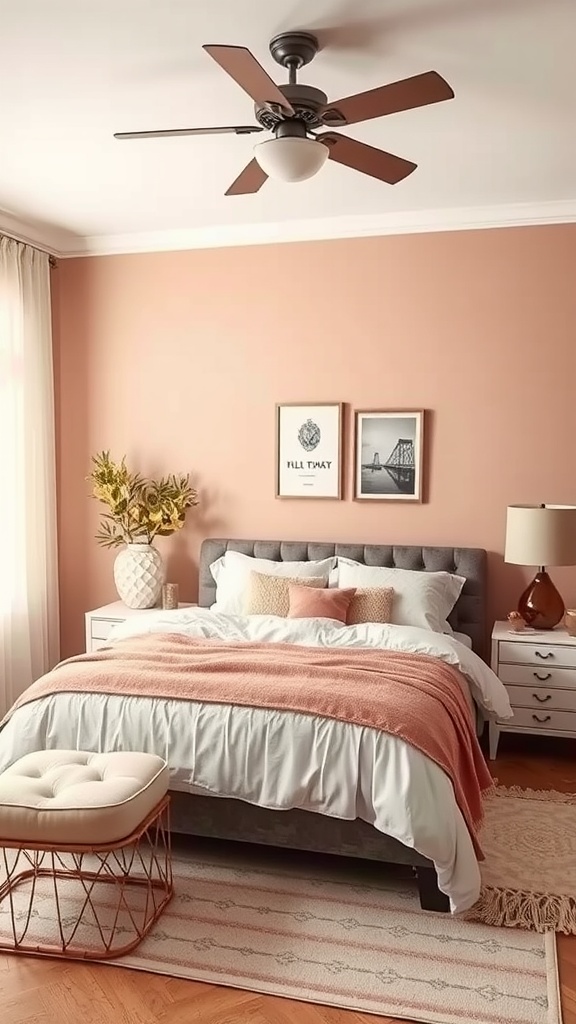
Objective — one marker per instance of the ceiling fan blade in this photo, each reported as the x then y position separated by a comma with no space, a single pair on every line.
249,180
243,129
243,67
367,159
418,91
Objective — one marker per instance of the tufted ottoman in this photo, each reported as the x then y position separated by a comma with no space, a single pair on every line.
85,867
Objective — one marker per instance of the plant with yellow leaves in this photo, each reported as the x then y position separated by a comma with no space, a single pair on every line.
139,508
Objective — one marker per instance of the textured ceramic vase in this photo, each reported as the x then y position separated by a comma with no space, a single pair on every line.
139,574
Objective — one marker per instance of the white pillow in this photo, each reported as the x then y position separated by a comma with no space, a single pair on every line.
463,638
422,599
232,571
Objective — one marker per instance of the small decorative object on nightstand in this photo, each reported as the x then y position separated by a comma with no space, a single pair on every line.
516,622
100,621
538,670
570,621
169,595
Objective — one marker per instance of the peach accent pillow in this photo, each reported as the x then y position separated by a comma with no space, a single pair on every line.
269,595
332,603
371,604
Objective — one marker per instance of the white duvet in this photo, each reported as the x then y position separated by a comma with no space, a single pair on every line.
344,771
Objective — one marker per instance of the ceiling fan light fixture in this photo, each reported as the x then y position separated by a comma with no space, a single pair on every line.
291,159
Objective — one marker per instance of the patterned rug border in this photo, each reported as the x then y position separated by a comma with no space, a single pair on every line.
553,979
554,1013
517,908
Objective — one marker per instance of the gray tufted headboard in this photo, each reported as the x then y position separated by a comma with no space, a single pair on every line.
468,616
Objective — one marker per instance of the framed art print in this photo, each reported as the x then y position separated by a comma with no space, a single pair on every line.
388,455
309,450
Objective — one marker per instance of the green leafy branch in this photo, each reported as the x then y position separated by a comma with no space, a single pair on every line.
139,508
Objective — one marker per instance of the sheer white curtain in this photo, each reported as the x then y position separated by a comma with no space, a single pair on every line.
29,622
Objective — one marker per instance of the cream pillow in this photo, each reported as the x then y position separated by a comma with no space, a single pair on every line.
270,595
423,599
231,573
371,604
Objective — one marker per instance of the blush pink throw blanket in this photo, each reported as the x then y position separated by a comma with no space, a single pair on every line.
412,696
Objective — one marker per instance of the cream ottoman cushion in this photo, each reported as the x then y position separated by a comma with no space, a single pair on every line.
74,797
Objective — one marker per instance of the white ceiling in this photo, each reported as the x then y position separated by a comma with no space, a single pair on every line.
72,72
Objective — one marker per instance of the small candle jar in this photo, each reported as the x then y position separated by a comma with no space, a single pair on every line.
570,621
516,622
170,596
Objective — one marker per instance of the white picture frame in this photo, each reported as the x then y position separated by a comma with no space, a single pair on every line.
309,450
388,457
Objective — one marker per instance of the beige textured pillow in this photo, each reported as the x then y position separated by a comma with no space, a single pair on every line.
270,595
370,604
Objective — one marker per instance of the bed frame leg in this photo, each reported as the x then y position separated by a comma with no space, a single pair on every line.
430,896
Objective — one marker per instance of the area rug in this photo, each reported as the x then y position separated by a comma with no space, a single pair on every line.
336,933
529,875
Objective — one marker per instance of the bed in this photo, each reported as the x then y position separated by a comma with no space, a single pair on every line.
215,814
304,830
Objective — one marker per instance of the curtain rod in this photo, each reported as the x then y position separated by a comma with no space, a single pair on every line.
52,261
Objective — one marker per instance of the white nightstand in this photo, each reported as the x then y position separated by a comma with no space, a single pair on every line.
539,671
99,621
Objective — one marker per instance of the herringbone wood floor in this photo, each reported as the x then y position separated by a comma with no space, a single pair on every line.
34,991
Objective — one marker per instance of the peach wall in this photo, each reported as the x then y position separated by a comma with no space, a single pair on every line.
177,360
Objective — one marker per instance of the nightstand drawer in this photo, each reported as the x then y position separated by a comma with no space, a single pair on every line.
537,675
101,628
537,654
96,644
542,699
547,721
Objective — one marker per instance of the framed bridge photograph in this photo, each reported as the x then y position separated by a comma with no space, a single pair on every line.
388,455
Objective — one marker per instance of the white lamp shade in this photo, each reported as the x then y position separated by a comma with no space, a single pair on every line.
291,159
541,535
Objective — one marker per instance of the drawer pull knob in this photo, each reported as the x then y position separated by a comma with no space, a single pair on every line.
542,678
549,654
542,700
541,720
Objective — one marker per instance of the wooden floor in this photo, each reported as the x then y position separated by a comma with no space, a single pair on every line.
34,991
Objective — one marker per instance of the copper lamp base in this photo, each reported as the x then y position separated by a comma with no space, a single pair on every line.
541,606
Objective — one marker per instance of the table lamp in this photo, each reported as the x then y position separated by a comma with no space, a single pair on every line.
541,535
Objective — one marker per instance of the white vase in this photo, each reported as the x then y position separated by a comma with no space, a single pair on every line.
139,574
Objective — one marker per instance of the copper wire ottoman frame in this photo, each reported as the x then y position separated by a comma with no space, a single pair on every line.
147,849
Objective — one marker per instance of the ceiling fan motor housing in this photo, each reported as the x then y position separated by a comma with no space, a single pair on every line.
306,101
292,50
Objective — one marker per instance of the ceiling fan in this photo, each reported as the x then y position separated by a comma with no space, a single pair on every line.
294,112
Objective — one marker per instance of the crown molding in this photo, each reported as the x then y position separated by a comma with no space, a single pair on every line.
48,237
65,245
316,229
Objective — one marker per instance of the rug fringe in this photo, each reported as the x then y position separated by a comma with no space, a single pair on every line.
551,796
514,908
